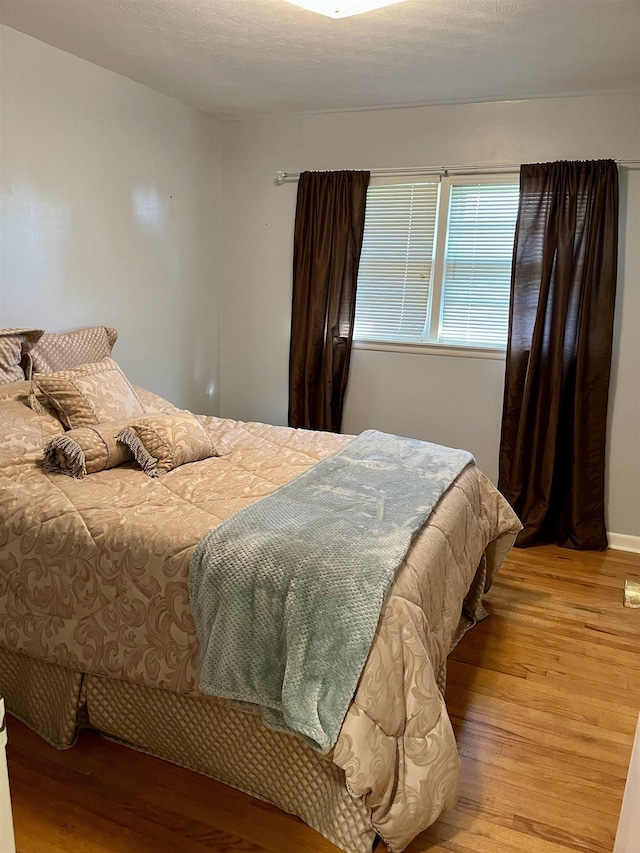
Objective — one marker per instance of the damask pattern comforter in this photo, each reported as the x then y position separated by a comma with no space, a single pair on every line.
94,577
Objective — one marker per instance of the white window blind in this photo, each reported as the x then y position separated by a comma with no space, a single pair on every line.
436,261
395,271
477,264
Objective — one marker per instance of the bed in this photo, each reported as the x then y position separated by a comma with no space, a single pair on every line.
96,628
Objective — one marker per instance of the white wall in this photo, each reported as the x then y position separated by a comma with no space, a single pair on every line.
450,400
110,215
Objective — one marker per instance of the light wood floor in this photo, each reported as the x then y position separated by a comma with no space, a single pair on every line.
544,696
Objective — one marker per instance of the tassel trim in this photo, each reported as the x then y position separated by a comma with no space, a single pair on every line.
144,459
63,455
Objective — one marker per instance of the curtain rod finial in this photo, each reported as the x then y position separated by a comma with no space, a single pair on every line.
280,177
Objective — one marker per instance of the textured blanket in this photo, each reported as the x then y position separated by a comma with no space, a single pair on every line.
286,594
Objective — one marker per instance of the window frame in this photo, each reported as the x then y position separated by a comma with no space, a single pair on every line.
428,344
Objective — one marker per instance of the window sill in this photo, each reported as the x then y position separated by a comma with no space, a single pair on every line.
432,349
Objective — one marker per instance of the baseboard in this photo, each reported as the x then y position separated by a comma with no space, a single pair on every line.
624,542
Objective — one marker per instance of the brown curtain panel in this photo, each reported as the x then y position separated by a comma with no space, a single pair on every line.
327,245
552,450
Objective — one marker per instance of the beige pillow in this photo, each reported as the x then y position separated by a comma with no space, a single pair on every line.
86,450
13,343
90,394
22,431
66,350
163,442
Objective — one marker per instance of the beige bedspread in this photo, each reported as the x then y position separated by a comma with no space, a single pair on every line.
93,576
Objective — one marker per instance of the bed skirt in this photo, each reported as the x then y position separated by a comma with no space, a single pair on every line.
202,734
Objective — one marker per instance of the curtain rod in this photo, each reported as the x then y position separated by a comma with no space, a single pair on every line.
486,168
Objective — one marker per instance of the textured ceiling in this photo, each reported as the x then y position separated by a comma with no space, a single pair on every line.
236,58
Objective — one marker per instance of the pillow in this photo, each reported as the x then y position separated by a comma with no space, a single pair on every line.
163,442
90,394
86,451
22,431
13,343
67,350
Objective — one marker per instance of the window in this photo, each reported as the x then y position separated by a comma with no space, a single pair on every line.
436,261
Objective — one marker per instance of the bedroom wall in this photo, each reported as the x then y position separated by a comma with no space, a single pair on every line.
110,215
441,398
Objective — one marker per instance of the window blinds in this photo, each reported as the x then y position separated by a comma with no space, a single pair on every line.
477,264
436,262
395,272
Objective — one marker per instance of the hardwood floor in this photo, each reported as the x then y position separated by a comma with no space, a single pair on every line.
544,696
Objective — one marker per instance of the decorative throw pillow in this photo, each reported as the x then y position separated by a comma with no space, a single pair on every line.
86,450
66,350
13,343
22,431
163,442
90,394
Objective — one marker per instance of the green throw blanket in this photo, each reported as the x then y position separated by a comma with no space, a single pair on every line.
286,594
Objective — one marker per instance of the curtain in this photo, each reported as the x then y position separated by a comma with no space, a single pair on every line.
552,449
327,244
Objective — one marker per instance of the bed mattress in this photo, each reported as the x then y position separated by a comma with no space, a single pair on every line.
94,580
